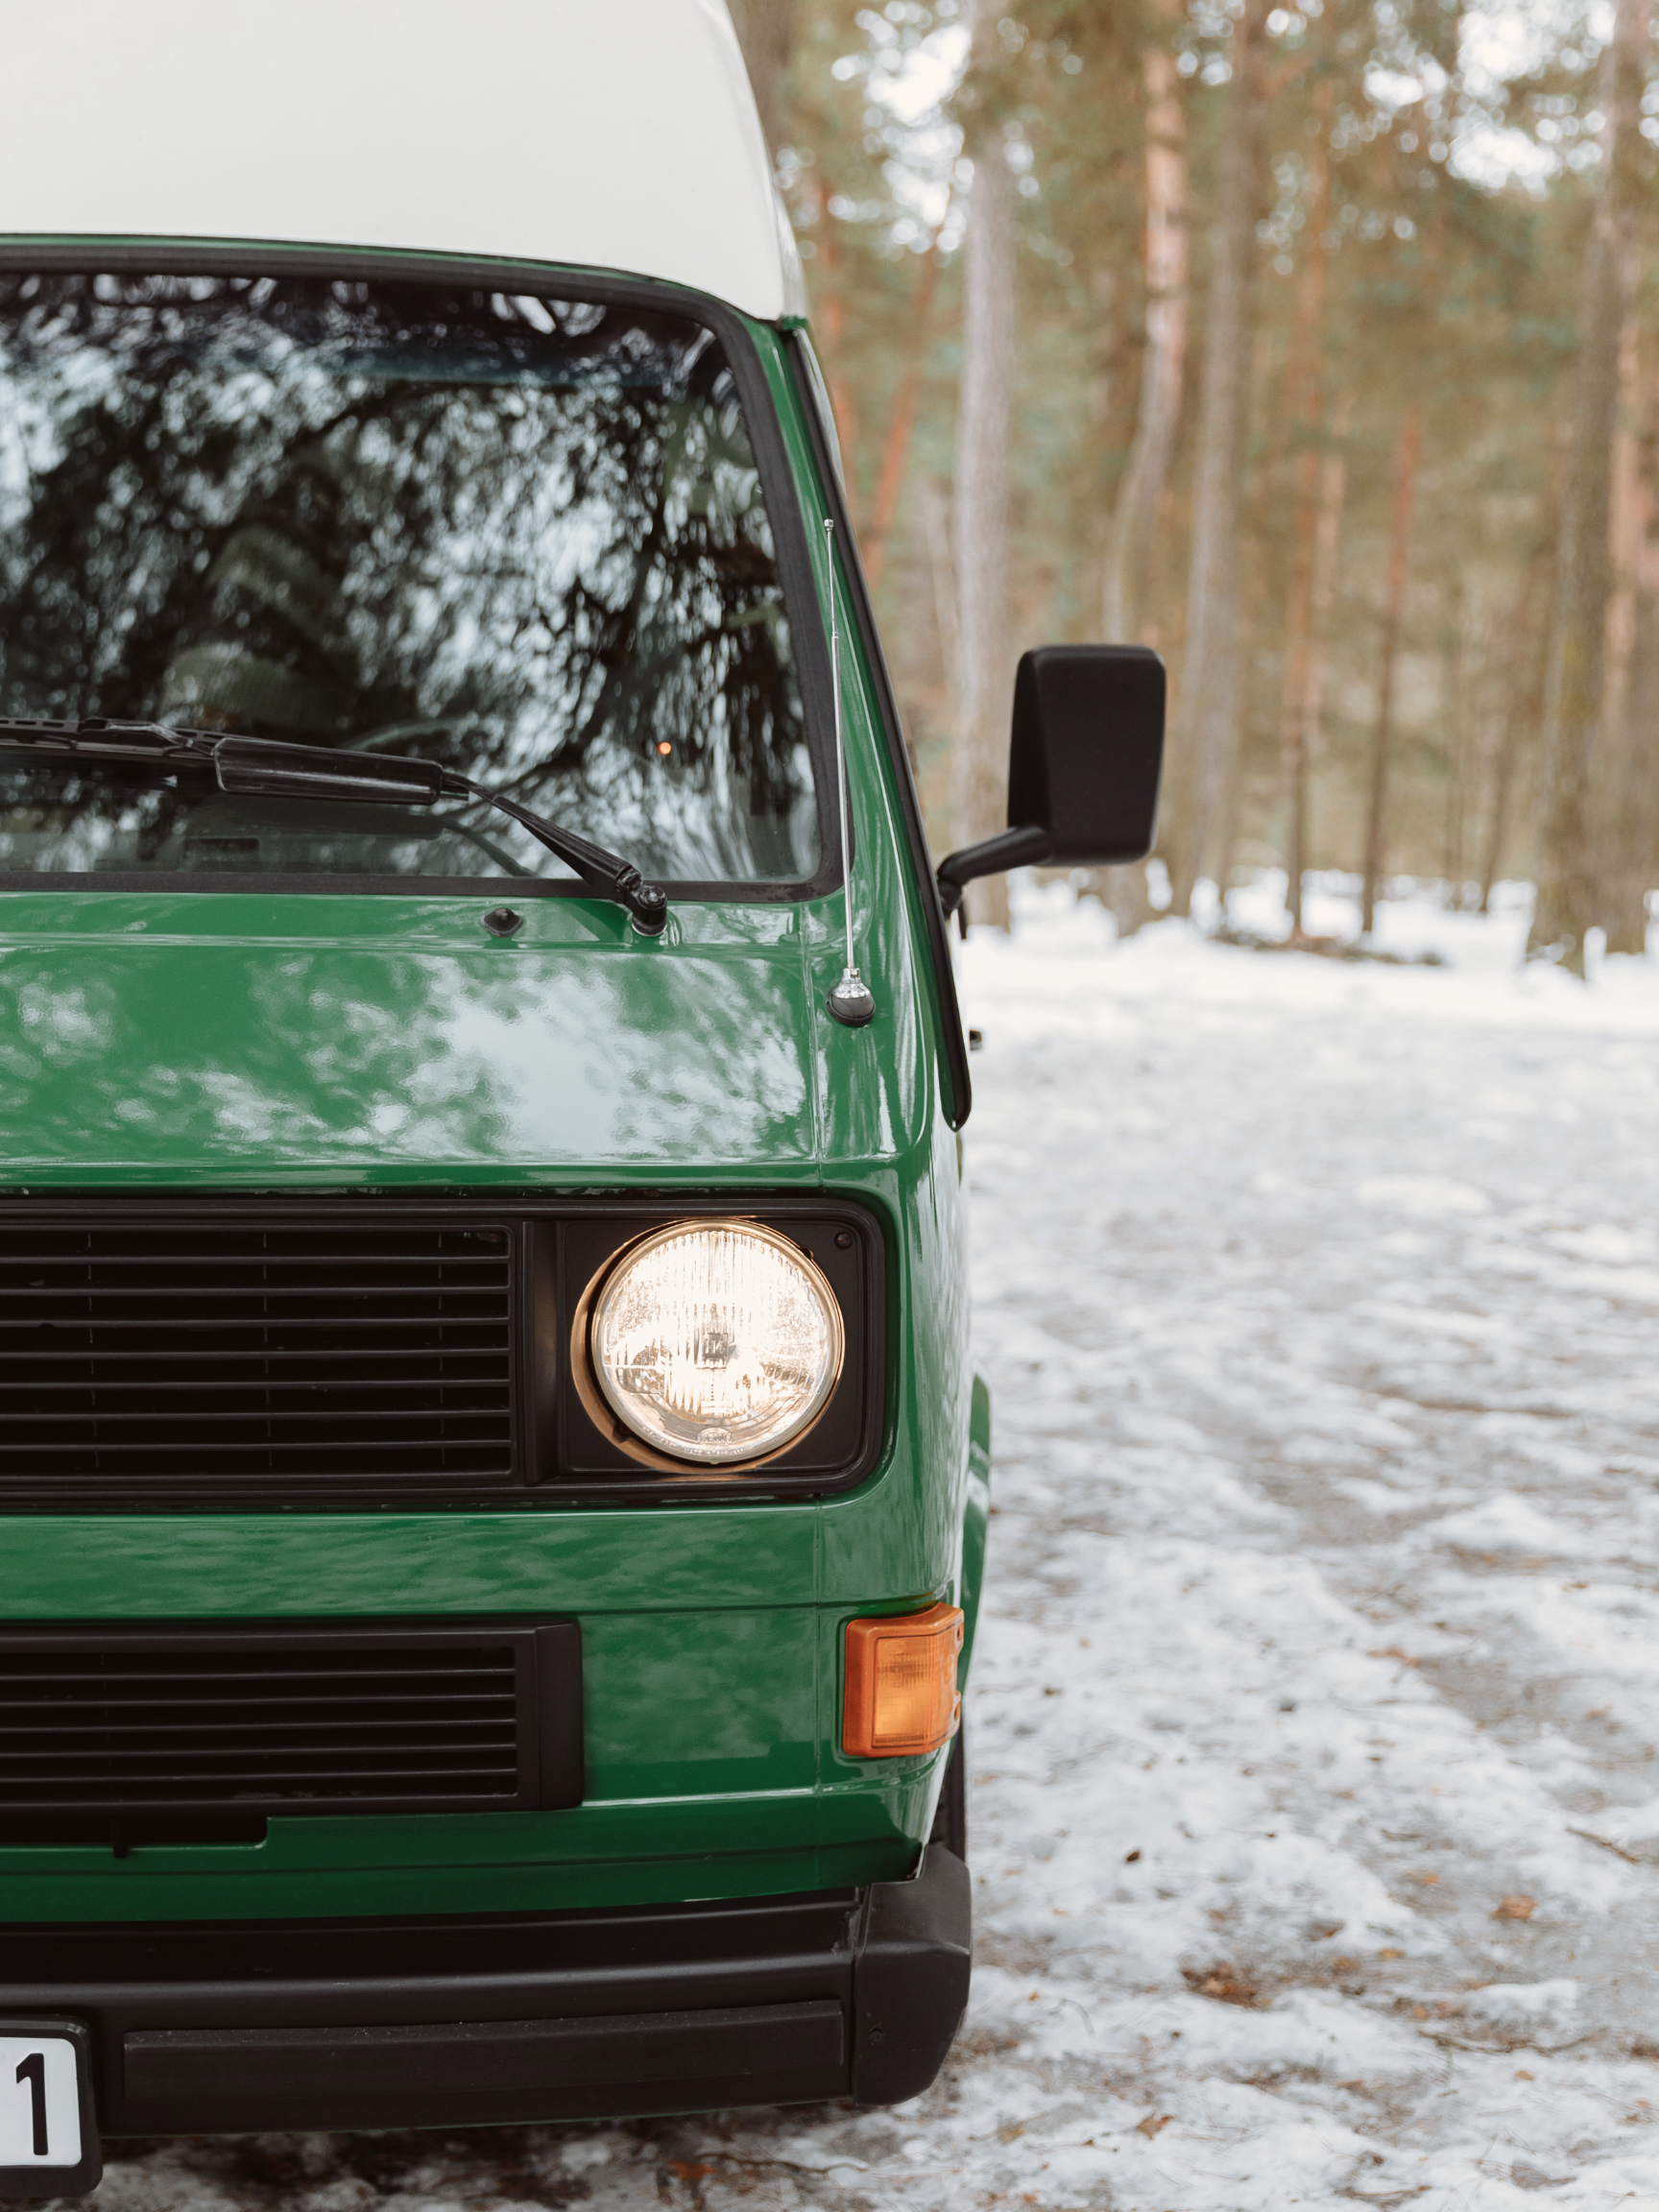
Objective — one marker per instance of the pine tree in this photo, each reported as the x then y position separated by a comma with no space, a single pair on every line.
984,434
1419,285
1570,888
1209,719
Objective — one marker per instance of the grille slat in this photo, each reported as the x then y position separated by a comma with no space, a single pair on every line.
51,1710
150,1719
204,1321
111,1421
234,1681
166,1383
288,1355
205,1357
214,1458
246,1724
267,1283
364,1256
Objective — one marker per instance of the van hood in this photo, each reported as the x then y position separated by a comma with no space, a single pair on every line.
258,1038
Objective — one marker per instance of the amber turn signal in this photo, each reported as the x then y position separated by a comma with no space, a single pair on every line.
901,1683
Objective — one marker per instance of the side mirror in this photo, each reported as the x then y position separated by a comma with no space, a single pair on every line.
1088,747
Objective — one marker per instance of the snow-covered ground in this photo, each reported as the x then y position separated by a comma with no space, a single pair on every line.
1315,1807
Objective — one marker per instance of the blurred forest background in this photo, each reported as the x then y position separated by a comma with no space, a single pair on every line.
1317,348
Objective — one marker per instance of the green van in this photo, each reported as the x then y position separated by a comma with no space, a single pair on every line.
495,1493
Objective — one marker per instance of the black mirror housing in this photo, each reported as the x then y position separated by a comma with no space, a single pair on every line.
1088,751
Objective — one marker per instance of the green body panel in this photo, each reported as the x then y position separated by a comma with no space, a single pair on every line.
977,1522
314,1043
264,1038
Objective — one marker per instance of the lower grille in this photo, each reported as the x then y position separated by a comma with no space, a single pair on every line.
276,1719
287,1357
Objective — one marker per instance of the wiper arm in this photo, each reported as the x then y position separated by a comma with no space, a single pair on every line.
600,869
267,768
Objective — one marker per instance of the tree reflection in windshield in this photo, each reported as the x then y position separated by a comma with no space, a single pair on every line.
525,537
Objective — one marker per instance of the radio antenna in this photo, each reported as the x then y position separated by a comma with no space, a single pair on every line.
850,1001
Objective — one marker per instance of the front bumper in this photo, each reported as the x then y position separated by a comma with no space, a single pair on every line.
216,2028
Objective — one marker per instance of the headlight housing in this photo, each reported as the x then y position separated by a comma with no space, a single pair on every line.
716,1342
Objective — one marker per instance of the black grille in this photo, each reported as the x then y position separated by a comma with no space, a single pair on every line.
282,1355
273,1720
216,1352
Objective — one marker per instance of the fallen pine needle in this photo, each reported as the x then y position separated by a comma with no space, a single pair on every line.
1608,1844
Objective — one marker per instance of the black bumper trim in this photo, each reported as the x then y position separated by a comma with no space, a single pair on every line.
910,1979
204,2029
367,2076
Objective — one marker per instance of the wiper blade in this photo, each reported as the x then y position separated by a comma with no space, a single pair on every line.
98,733
262,765
268,768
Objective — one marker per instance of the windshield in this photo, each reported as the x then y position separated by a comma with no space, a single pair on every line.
524,536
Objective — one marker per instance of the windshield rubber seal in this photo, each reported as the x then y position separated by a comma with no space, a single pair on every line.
802,363
173,257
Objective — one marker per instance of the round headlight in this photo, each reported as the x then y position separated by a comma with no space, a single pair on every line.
716,1341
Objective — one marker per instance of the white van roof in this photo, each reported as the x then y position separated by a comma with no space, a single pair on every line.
614,134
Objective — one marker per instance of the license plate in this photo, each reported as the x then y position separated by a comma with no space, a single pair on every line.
48,2128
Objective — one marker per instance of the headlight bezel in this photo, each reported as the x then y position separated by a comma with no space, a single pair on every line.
588,1363
588,1453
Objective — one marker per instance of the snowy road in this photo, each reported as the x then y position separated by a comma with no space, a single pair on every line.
1315,1812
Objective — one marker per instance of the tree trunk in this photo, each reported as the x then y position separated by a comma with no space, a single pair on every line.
1521,707
767,33
1134,522
1455,734
1502,790
1209,680
1623,529
1305,688
984,432
1407,455
1295,735
1486,723
1638,872
1124,894
902,422
942,575
1632,830
1299,392
1569,888
831,321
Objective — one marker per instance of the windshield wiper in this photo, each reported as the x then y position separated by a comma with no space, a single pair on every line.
266,767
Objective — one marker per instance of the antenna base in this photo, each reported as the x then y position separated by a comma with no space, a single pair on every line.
850,1001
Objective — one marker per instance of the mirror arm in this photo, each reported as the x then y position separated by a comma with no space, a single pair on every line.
1024,847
